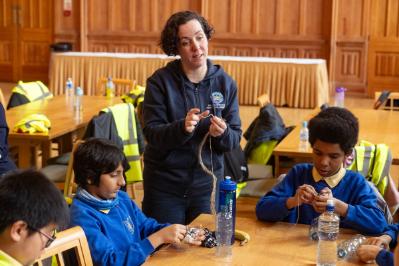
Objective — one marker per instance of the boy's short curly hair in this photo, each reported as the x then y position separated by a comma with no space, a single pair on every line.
169,36
335,125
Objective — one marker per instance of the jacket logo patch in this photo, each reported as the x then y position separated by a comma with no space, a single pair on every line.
217,100
129,225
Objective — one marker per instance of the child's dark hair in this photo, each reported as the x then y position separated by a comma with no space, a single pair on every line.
169,36
93,158
30,197
335,125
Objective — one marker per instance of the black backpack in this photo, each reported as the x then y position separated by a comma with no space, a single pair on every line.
235,165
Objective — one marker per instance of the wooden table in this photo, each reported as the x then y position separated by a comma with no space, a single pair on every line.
271,244
299,83
376,126
63,123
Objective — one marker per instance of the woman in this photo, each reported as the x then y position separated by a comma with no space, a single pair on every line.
184,101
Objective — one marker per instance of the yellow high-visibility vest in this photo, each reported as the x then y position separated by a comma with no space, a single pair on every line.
124,118
34,91
373,161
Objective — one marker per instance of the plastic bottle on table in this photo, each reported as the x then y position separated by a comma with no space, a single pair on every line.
328,230
110,88
304,136
348,247
340,97
69,90
78,103
225,219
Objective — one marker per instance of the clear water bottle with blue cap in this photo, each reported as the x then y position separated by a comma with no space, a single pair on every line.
225,218
328,229
69,90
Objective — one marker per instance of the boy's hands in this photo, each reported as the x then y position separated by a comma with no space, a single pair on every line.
175,234
368,253
372,246
171,234
320,200
303,194
381,241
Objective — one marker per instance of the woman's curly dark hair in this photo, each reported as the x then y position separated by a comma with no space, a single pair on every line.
169,36
335,125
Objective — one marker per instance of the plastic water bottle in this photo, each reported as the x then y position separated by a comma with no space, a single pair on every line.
69,90
340,97
328,230
225,218
78,101
110,88
304,136
348,247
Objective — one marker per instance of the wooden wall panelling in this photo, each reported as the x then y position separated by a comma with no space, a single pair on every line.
350,44
67,27
129,25
383,56
35,36
8,40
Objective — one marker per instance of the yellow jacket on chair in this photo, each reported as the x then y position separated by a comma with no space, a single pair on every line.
124,118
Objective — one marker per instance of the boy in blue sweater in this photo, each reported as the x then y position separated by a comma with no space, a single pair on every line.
303,193
117,231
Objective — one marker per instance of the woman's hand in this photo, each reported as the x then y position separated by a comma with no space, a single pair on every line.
218,126
192,119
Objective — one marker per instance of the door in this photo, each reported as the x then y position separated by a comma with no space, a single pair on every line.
26,32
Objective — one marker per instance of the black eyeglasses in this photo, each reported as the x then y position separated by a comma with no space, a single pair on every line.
50,239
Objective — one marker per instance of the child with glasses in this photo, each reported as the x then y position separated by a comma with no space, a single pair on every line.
31,208
117,231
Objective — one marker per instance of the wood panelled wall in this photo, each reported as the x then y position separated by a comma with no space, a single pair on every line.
358,38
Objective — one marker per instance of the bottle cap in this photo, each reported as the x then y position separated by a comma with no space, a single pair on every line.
340,89
228,184
304,123
330,202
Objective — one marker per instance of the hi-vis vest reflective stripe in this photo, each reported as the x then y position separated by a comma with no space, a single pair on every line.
374,163
127,132
34,91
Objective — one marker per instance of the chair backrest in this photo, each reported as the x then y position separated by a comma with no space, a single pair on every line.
122,86
73,238
69,184
26,92
263,100
2,101
389,102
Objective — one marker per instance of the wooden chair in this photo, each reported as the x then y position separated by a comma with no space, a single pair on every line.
263,100
70,239
2,101
122,86
388,103
70,186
